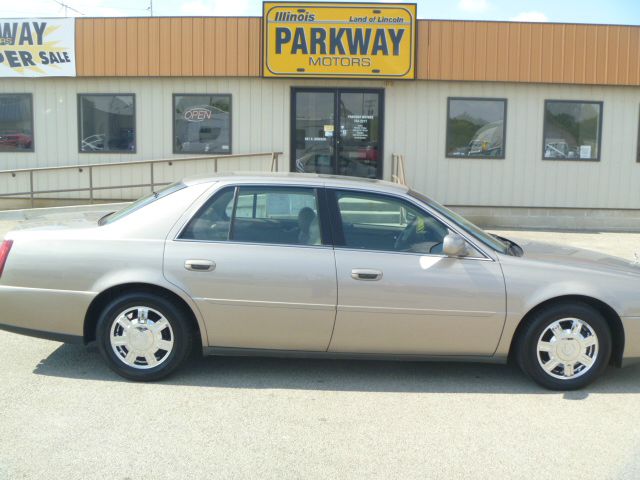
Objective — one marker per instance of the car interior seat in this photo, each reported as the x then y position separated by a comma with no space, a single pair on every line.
309,227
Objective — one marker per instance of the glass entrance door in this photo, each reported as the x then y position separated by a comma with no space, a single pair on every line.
313,132
337,131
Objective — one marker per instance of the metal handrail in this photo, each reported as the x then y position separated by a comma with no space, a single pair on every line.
90,167
397,169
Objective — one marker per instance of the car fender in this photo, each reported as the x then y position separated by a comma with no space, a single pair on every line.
523,295
153,278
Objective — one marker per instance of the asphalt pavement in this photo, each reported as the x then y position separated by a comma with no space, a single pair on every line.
65,415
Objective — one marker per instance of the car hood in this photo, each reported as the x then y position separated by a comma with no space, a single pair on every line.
559,255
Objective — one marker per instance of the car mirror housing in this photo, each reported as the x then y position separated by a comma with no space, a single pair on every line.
454,245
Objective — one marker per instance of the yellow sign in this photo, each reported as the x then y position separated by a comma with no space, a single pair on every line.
353,40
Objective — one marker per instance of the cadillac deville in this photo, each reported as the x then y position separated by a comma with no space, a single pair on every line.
313,265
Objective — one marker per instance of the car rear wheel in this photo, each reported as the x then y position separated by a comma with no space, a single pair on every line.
144,337
565,347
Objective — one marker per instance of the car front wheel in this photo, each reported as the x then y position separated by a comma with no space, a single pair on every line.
565,347
143,336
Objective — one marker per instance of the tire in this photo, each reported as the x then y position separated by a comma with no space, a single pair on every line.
559,353
143,336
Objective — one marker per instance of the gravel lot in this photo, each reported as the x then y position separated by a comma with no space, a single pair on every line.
63,414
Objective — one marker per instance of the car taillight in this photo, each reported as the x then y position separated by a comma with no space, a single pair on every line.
5,248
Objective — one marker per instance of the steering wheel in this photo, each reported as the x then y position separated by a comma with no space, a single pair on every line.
403,241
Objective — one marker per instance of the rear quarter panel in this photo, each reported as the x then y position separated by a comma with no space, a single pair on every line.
51,276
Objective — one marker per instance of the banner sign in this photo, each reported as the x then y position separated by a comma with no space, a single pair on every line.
37,47
353,40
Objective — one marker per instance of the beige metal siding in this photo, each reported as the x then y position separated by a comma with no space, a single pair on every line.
259,122
415,125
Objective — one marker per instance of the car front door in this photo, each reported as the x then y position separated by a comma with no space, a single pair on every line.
397,292
254,260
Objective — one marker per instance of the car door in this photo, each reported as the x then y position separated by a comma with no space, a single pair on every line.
397,292
255,261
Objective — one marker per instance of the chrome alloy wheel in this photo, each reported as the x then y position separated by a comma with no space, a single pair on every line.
567,348
141,337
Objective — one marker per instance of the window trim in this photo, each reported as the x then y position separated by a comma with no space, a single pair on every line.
135,124
544,130
33,121
232,218
504,128
173,121
325,228
638,140
338,234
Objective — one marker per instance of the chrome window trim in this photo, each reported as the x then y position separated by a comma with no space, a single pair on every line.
415,254
232,242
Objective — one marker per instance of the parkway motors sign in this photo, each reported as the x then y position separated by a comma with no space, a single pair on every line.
37,47
353,40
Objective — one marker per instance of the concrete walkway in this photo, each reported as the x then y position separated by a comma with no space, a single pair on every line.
623,245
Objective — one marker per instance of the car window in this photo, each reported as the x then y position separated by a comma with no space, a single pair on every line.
277,215
378,222
141,202
270,215
486,238
213,221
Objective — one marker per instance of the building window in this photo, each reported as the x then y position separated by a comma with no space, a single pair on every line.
476,127
16,123
572,130
202,123
107,123
638,145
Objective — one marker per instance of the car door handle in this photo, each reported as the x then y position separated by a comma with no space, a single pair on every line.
366,274
200,265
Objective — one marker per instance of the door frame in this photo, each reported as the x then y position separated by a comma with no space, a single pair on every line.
336,115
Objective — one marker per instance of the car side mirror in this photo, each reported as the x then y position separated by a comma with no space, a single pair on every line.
454,245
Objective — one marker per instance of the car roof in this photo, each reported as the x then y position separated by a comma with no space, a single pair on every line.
291,178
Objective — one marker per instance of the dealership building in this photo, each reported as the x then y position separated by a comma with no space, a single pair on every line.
513,124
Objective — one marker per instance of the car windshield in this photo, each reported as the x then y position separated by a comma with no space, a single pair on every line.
465,224
141,202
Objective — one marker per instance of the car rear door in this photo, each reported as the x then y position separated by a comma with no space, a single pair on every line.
397,293
257,263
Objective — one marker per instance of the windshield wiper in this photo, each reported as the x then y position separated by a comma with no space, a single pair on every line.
514,249
104,218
